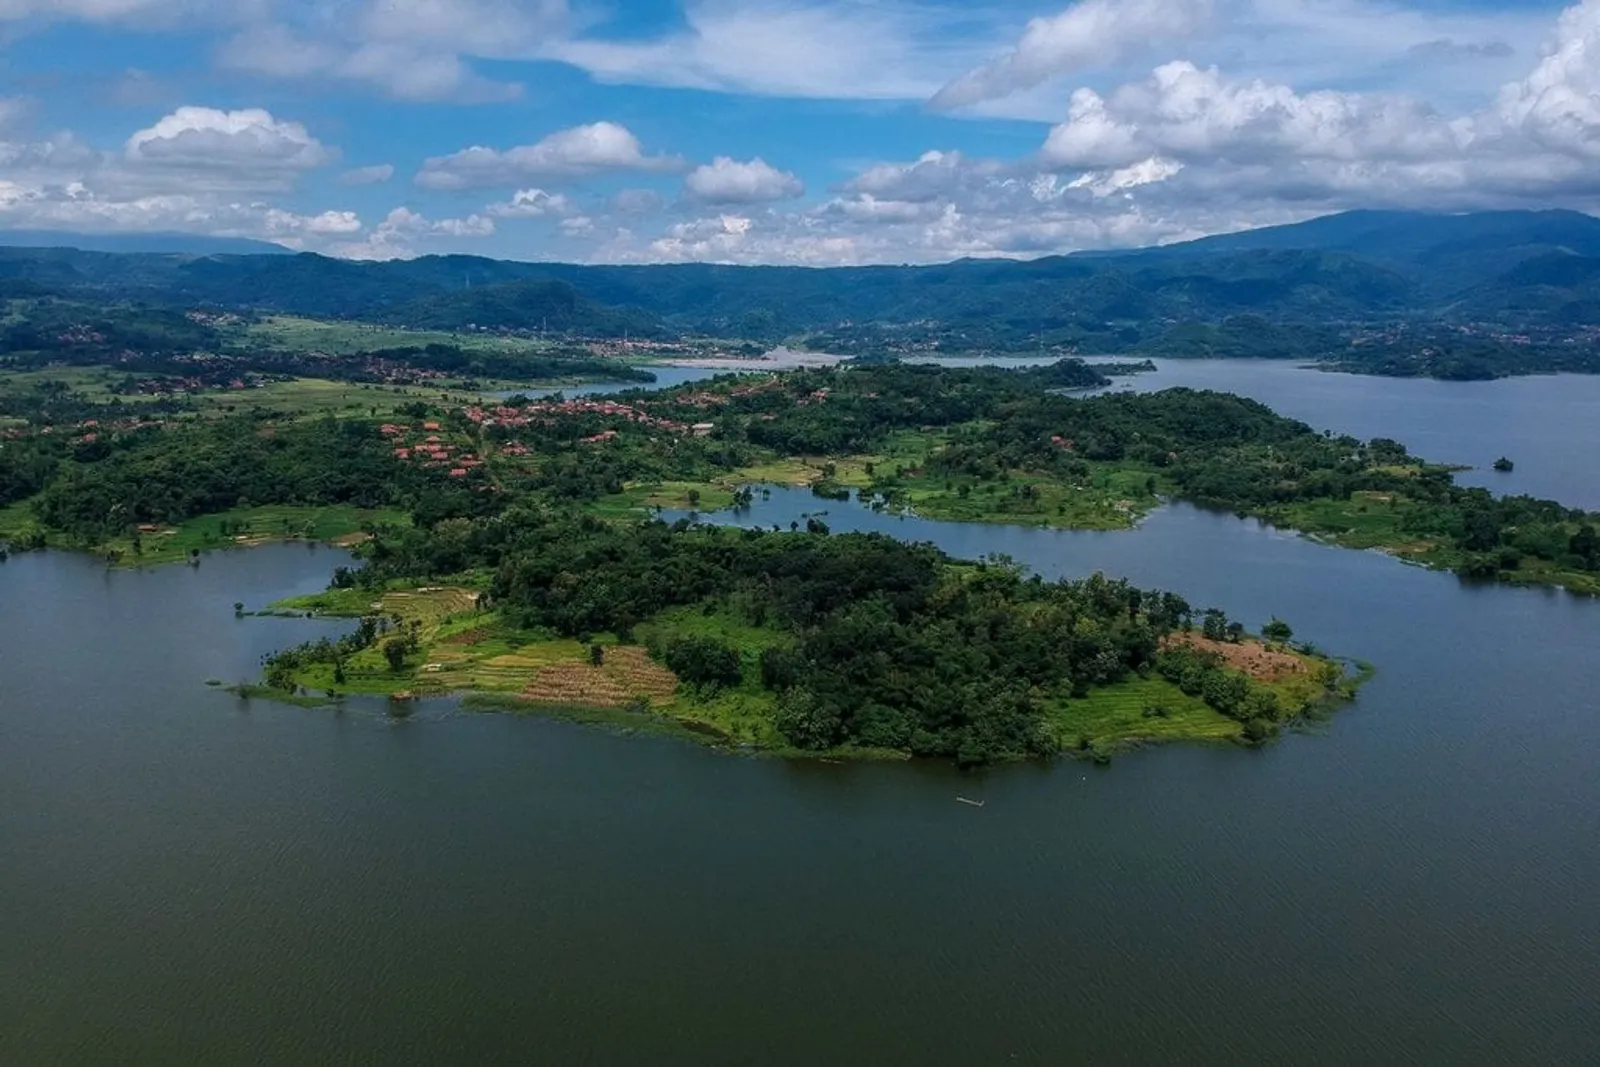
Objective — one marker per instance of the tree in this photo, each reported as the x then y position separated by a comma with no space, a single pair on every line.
1585,544
1214,625
597,655
704,661
394,650
1278,631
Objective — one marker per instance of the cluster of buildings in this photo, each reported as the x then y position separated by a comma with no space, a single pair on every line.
548,412
430,451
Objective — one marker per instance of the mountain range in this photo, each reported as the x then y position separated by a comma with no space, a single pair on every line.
1514,268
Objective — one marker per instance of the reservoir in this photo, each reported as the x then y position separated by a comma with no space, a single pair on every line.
189,878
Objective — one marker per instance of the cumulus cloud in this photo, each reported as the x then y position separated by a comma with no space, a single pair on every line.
1239,138
1185,112
531,204
76,207
1557,106
1145,172
248,147
397,236
374,175
728,181
566,154
931,175
195,170
1089,34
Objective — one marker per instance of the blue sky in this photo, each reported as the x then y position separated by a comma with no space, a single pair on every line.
784,131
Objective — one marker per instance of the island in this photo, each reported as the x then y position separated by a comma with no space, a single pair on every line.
851,645
512,550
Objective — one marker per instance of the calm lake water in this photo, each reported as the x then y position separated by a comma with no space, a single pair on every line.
1546,425
191,879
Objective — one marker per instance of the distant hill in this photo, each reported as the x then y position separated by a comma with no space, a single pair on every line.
1254,289
1443,252
168,243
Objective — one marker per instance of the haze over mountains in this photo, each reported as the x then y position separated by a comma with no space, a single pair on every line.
1508,267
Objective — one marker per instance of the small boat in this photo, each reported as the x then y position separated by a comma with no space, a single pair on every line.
973,803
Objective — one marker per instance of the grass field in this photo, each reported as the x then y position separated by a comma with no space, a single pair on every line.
14,518
344,338
465,650
93,382
1115,717
245,527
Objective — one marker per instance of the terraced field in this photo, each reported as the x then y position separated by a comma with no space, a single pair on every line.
463,649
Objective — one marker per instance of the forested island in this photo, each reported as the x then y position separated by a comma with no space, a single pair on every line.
509,551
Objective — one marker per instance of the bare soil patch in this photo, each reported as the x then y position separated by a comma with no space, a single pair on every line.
1249,657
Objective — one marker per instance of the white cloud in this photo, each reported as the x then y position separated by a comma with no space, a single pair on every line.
1188,113
805,48
248,147
500,29
1145,172
74,206
531,204
728,181
406,71
566,154
866,208
1557,106
98,10
1088,35
932,176
397,235
374,175
407,49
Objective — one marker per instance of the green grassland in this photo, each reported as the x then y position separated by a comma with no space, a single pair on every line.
293,398
1136,712
14,519
95,383
1152,710
246,527
317,396
347,338
1113,497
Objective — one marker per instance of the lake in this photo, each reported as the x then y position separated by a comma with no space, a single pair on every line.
1545,424
193,879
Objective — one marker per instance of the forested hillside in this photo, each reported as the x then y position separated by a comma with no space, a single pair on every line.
1521,287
